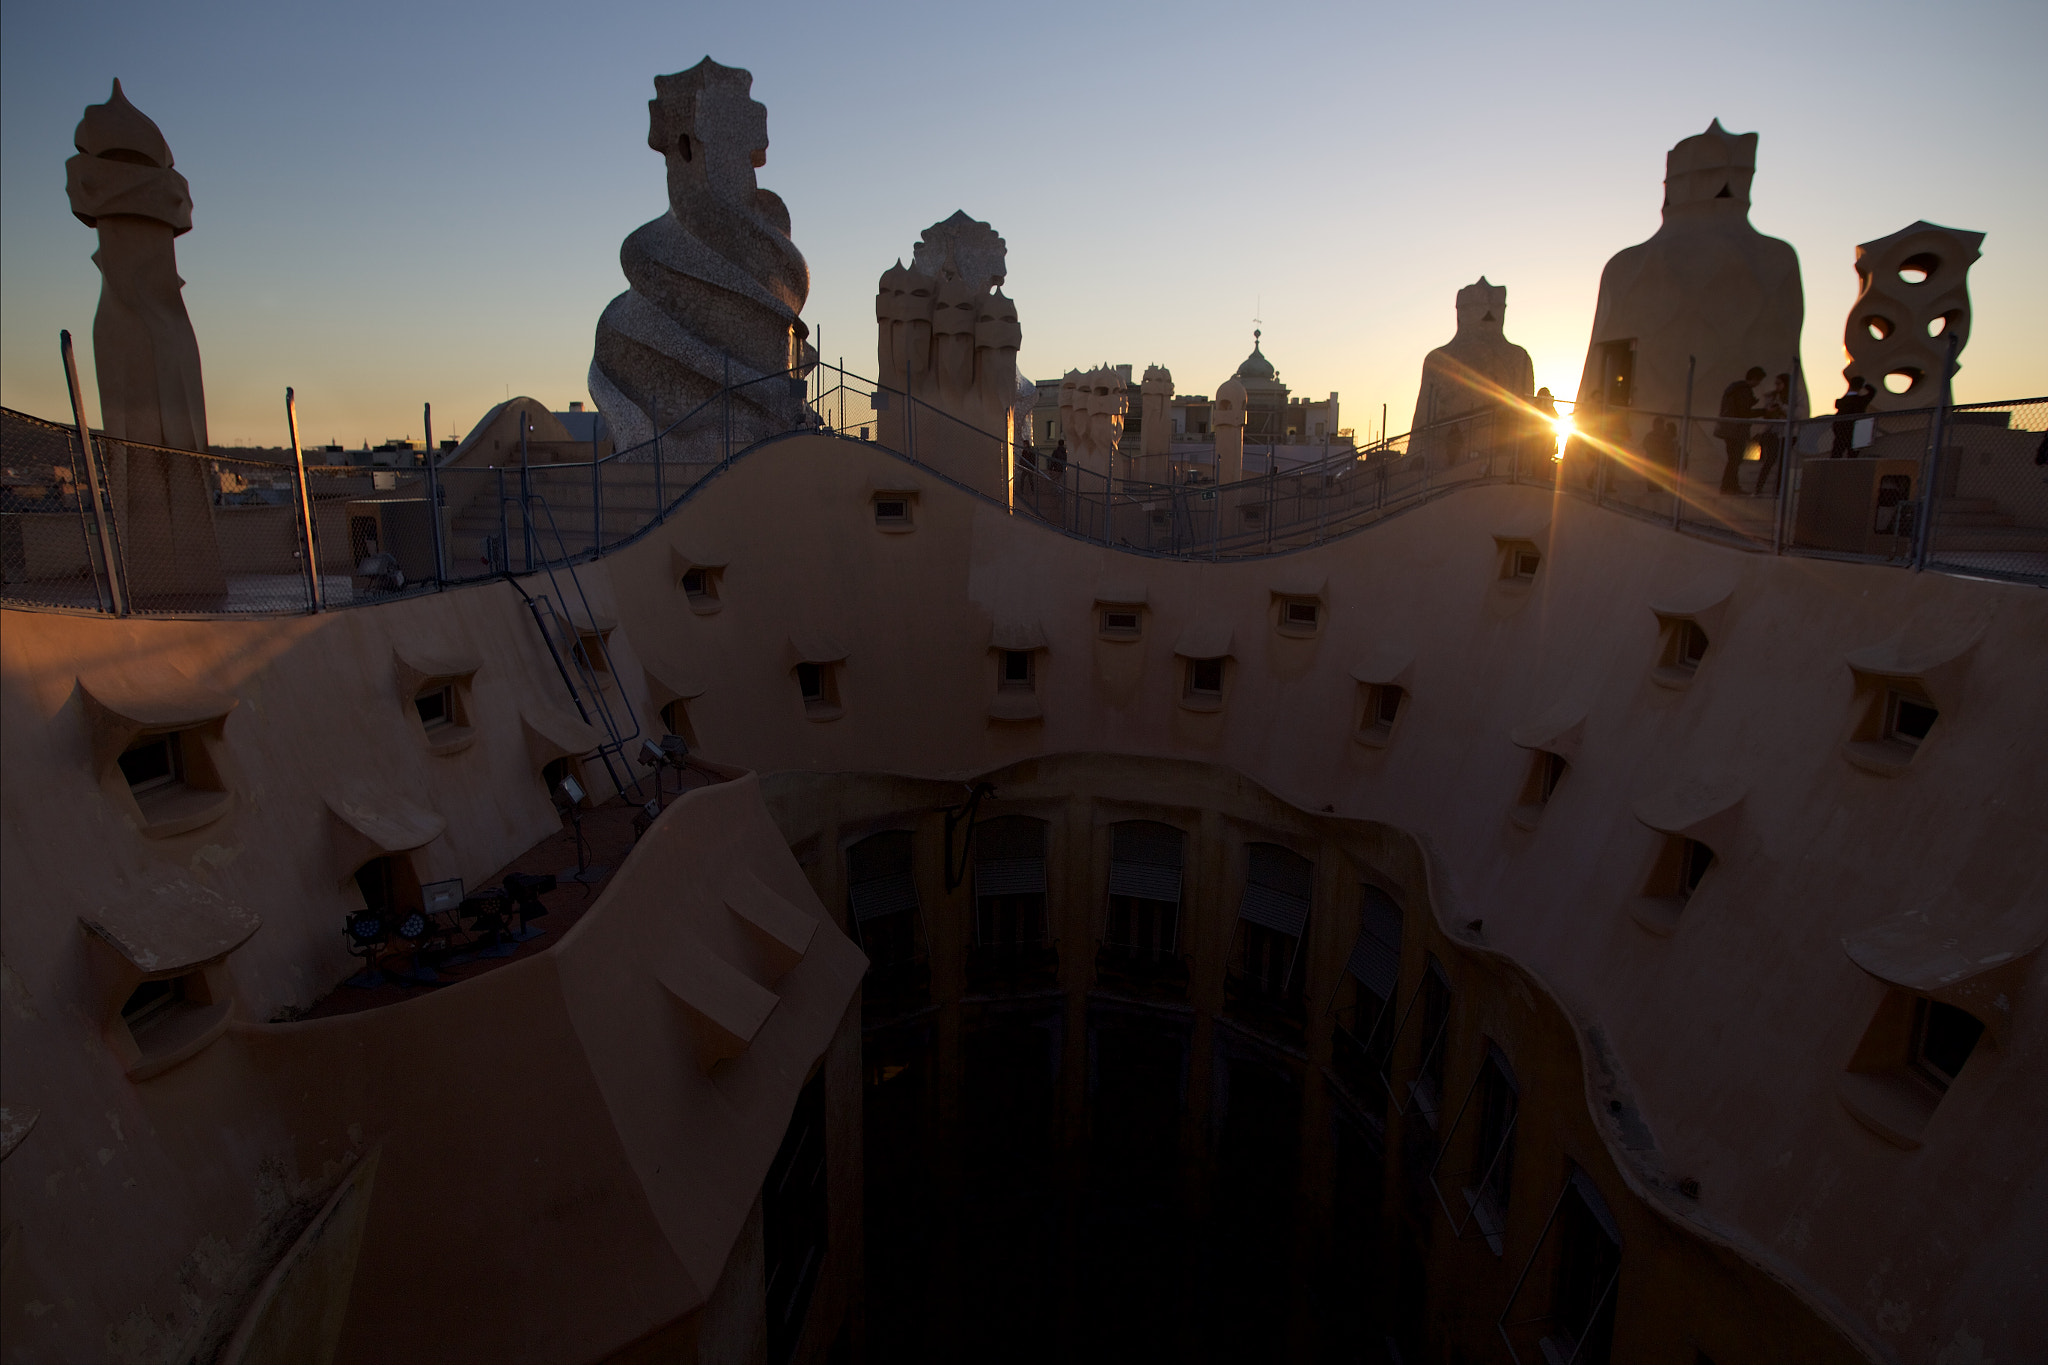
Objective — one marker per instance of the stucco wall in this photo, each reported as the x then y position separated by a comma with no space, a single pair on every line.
1738,1026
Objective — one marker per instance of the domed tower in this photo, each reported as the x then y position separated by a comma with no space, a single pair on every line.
1706,285
1265,396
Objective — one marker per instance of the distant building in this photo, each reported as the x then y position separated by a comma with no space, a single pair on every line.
1273,417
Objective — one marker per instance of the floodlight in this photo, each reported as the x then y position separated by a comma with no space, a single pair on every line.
653,809
366,927
572,789
441,897
413,926
676,747
652,755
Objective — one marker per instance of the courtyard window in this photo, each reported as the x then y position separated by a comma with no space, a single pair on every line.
1943,1039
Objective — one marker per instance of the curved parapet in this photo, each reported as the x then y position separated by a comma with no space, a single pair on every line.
716,283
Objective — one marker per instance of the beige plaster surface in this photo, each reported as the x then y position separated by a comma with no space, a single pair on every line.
1738,1026
1706,286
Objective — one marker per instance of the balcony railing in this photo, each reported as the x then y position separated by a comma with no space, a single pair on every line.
111,526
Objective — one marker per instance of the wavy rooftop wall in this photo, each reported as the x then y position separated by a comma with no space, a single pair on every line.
1739,1018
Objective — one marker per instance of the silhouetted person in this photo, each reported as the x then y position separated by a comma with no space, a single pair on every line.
1589,428
1543,438
1056,463
1660,446
1738,400
1856,400
1770,438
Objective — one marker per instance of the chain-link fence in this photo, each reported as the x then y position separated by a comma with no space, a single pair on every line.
1962,489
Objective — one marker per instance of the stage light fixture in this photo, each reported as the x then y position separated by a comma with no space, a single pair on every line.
652,755
367,933
573,790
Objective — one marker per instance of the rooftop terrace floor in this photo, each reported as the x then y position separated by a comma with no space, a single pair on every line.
609,833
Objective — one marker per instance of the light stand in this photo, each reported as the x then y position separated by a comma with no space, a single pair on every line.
524,889
569,798
672,751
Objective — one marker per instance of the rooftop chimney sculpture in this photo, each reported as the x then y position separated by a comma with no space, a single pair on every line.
1093,404
1155,430
1706,285
1912,305
145,355
1477,369
947,338
716,283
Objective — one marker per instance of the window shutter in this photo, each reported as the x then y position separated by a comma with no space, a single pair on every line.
1276,889
883,896
1009,877
1145,863
1376,956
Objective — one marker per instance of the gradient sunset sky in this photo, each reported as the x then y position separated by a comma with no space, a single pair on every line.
421,201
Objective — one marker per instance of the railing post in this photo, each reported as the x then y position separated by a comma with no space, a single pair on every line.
434,505
102,507
525,497
1930,466
596,496
1684,447
1785,453
315,597
502,560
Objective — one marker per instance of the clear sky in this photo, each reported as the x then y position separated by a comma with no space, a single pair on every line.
424,201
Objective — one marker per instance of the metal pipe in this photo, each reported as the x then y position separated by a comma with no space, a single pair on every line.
313,589
434,504
725,395
101,508
596,495
501,562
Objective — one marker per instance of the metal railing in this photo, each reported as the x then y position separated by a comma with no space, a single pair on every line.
112,526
